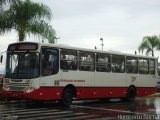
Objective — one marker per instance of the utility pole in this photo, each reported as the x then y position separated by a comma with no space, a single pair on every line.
56,39
102,42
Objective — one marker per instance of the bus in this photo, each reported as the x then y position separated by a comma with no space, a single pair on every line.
45,72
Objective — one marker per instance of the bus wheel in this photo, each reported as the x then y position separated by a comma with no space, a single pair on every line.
131,94
67,97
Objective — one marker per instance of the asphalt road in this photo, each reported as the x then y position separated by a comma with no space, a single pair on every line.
142,108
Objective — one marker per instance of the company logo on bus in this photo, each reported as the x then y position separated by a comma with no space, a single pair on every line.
72,80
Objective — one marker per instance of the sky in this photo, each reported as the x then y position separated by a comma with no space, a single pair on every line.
81,23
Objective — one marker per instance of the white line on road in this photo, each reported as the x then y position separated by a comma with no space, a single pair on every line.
105,109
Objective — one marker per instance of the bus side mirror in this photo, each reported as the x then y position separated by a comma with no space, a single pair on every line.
1,59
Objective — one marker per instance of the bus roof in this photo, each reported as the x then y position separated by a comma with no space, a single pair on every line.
89,50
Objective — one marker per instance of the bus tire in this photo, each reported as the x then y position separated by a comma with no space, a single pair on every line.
67,97
131,94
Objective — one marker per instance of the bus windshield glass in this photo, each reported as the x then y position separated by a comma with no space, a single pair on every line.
22,65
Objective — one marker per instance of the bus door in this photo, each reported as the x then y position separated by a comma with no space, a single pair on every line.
49,66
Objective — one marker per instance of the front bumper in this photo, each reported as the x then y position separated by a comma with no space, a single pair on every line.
38,94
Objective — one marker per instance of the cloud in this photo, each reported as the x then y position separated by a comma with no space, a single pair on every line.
121,23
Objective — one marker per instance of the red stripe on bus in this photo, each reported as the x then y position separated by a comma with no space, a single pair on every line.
55,93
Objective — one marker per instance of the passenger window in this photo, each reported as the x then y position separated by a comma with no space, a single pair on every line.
50,61
86,61
68,59
103,63
152,67
131,65
118,64
143,66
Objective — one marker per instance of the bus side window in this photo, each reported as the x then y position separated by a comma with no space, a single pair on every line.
64,63
143,66
152,67
103,63
118,64
131,65
68,59
86,61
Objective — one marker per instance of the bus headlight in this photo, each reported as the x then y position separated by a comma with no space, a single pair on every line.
6,88
29,89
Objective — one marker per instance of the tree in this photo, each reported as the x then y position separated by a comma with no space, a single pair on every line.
26,17
150,44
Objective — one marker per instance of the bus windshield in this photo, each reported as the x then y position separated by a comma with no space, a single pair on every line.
22,65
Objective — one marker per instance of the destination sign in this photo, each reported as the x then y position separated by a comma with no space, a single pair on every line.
22,46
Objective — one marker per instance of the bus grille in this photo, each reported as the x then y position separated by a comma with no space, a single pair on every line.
17,89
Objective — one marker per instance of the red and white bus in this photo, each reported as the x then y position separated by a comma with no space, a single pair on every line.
63,73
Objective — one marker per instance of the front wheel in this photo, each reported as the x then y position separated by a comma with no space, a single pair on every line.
67,97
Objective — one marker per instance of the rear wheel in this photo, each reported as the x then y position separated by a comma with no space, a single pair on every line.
67,97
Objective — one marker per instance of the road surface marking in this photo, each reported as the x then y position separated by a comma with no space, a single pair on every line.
105,109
